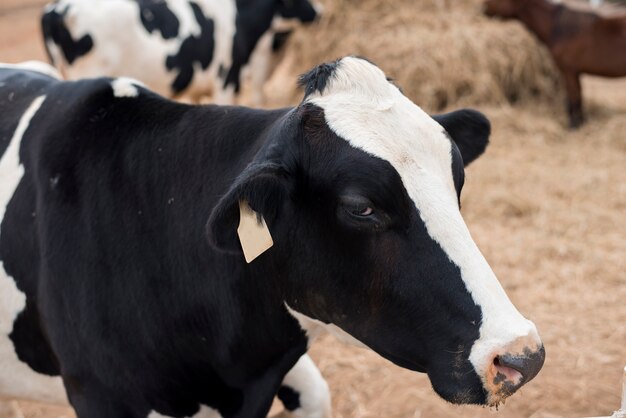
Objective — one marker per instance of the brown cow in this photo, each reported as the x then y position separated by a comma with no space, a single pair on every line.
580,42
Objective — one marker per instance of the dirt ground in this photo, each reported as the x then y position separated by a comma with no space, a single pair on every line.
547,206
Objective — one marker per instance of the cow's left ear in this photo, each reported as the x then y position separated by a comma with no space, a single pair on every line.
263,186
469,129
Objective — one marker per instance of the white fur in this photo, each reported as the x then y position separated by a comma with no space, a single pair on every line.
306,379
17,379
264,60
204,412
225,96
125,87
38,66
362,107
259,68
123,47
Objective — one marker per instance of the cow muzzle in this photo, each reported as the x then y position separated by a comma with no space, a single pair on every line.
512,366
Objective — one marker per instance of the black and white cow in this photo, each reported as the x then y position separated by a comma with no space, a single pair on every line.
123,273
184,49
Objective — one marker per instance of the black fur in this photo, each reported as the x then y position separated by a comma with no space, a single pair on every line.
155,15
17,91
317,79
254,18
280,40
192,50
301,10
32,345
54,29
469,129
13,104
139,310
289,397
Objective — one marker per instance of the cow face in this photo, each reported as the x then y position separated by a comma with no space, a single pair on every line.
506,9
302,10
360,189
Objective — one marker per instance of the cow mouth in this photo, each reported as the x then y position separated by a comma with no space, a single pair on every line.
449,390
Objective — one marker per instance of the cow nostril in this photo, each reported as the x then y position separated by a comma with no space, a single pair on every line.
506,372
518,369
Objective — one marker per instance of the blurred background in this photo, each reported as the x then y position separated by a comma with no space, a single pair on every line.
546,204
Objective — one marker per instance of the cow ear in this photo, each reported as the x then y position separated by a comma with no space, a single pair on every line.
470,131
263,186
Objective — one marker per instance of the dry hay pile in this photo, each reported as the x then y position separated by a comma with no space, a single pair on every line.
439,52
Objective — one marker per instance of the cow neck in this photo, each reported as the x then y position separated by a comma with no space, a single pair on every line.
264,285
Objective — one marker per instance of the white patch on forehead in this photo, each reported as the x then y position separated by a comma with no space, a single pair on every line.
38,66
365,109
204,412
125,87
16,378
371,114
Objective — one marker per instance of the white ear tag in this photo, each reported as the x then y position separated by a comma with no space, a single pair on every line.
253,234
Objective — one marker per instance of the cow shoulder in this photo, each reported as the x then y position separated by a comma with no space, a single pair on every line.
86,119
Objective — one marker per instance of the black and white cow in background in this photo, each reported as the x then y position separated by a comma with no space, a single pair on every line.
184,49
122,272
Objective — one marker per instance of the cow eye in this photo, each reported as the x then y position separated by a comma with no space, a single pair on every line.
362,212
357,205
357,211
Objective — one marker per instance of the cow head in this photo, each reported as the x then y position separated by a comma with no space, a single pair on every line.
360,189
506,9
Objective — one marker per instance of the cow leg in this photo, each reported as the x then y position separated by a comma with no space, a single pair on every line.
574,98
304,392
259,68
